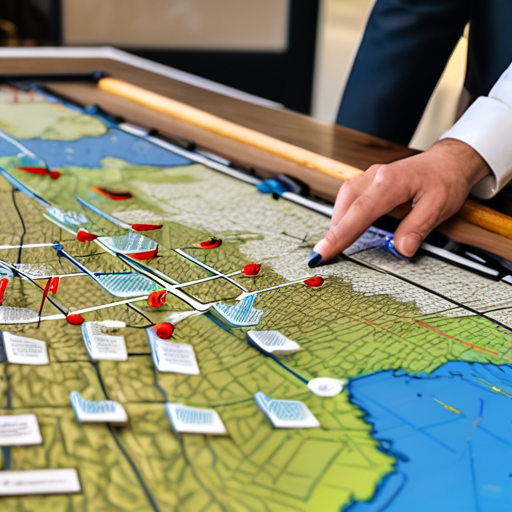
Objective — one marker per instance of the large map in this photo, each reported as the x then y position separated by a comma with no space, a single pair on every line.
422,351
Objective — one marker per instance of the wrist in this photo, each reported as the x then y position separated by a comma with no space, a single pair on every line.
463,156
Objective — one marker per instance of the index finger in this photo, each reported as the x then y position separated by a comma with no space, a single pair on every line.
381,196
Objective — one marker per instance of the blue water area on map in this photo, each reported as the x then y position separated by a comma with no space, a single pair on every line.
88,151
445,461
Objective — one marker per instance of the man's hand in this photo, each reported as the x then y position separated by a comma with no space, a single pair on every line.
436,181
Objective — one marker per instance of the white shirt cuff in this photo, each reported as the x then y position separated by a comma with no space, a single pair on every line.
487,127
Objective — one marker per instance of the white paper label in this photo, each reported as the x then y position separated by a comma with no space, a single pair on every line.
172,357
21,350
41,481
102,346
286,413
97,411
273,342
20,429
194,420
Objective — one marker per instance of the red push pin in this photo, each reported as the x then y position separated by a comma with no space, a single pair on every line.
157,299
54,175
315,282
164,330
3,286
211,243
146,227
85,236
253,269
75,319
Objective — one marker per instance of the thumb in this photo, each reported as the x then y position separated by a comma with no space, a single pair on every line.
423,218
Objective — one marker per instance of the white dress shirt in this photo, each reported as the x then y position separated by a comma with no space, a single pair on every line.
487,127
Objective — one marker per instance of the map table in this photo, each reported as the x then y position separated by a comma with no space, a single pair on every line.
156,262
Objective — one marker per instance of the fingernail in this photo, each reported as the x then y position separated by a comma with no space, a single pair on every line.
390,247
410,243
314,259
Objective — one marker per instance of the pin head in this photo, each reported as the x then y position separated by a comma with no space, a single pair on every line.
253,269
75,319
157,299
164,330
315,282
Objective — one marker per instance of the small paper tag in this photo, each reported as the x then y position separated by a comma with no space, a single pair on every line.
286,413
193,420
41,481
19,430
100,411
273,342
102,346
172,357
21,350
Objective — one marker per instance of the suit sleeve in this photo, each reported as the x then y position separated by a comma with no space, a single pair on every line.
487,127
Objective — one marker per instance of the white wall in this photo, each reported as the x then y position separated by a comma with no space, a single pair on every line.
191,24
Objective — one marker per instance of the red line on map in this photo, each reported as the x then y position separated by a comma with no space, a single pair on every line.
423,324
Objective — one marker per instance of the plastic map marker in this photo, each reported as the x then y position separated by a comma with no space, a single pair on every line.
157,299
133,245
75,319
242,314
164,330
286,413
101,345
43,171
326,386
211,243
92,411
272,342
193,420
85,236
22,350
3,286
172,357
112,194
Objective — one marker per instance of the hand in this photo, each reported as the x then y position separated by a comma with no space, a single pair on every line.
436,181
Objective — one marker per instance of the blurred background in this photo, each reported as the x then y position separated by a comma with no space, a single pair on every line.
296,52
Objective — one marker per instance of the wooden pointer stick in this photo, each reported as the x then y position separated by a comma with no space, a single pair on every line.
471,211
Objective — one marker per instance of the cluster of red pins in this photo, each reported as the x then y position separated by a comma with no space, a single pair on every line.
253,269
211,243
85,236
157,299
3,286
43,171
315,282
164,330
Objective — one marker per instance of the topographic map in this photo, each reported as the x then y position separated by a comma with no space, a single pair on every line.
424,420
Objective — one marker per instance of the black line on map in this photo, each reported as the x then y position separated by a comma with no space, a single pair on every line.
424,288
138,475
13,193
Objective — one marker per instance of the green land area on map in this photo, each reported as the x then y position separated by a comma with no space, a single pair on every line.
356,324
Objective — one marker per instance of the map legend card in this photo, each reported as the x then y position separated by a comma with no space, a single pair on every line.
40,481
19,430
97,411
21,350
170,357
102,346
286,413
273,342
193,420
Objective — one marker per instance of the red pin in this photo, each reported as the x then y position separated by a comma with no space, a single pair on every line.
315,282
42,171
54,284
157,299
3,286
75,319
164,330
112,194
85,236
146,255
253,269
211,243
146,227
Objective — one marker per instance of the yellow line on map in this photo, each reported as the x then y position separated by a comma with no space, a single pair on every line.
446,406
493,387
